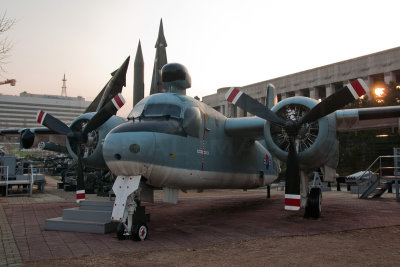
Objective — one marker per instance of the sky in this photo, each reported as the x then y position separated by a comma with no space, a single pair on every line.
222,43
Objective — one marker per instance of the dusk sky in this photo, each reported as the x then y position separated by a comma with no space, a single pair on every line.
222,43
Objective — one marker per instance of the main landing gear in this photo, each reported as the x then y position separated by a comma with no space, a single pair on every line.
127,210
314,200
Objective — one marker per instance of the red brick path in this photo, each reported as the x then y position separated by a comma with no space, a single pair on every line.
195,222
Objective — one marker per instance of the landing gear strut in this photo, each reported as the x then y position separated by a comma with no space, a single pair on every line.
127,210
314,201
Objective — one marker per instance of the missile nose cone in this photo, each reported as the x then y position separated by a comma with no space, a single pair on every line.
139,56
119,75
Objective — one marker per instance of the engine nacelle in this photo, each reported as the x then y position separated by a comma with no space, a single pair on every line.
316,142
92,150
27,139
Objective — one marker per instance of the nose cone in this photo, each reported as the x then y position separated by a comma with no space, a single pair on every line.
129,153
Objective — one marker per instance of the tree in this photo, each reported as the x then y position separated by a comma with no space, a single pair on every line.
359,149
391,96
5,45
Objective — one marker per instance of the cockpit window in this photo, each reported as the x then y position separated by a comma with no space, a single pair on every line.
161,110
137,110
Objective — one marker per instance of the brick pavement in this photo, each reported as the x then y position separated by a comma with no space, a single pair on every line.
197,221
9,253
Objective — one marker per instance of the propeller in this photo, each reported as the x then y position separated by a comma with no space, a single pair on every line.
53,123
108,106
251,105
339,99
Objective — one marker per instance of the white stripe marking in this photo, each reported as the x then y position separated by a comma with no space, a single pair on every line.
292,196
292,208
229,92
237,97
352,91
38,114
115,102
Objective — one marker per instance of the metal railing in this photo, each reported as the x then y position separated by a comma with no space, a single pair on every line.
383,167
4,178
7,182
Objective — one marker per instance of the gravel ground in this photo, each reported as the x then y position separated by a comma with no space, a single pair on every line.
365,247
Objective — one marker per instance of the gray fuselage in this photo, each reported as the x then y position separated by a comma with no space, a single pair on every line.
175,141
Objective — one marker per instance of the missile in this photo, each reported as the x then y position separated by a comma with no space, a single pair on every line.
114,86
138,76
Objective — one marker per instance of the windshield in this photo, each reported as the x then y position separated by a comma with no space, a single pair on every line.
137,110
161,110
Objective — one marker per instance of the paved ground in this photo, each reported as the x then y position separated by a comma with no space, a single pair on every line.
210,218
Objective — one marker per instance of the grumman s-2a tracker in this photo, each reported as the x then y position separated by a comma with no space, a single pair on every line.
173,142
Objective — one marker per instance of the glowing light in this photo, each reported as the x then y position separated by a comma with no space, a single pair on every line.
382,135
379,92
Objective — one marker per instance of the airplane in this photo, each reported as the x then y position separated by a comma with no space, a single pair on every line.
173,142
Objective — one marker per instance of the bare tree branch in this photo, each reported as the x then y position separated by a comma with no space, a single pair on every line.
5,45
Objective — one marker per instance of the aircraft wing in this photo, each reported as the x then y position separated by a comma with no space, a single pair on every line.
34,136
346,120
16,132
367,118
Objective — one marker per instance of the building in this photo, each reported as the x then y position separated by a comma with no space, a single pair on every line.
20,111
376,69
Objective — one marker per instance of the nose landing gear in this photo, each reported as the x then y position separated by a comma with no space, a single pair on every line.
127,210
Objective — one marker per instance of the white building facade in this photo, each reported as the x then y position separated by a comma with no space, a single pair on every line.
20,111
376,69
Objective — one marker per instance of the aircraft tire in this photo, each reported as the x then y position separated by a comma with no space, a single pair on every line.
314,204
140,232
120,231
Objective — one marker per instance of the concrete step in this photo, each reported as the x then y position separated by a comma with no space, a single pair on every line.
59,224
86,215
96,205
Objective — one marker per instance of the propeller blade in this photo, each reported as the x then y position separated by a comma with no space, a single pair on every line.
245,102
292,183
80,182
53,123
338,100
104,114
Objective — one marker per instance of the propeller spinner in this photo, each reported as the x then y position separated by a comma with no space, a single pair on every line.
292,126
